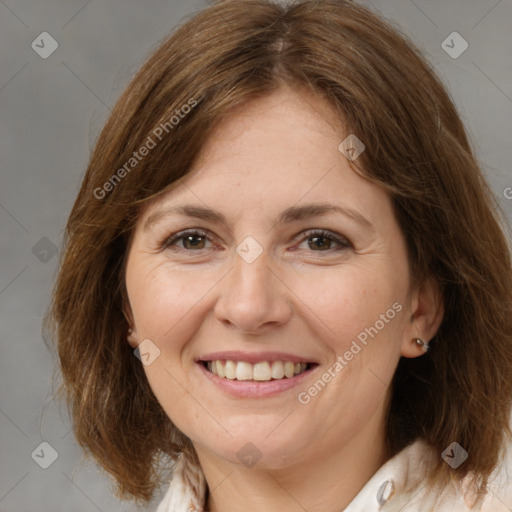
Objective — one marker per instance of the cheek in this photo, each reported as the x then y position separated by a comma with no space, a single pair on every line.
360,310
166,307
164,300
350,301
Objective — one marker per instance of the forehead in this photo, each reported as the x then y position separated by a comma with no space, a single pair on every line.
272,153
287,126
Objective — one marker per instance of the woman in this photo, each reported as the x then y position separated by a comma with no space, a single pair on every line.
285,271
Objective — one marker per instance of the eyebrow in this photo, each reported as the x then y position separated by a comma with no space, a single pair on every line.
291,214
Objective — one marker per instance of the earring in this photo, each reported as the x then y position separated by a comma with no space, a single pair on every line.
421,344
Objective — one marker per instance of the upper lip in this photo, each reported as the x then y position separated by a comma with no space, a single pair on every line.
252,357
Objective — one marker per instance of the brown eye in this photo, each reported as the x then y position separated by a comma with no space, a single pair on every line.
319,242
192,240
322,241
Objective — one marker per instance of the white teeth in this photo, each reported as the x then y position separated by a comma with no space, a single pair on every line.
262,371
243,371
289,369
220,368
230,369
277,370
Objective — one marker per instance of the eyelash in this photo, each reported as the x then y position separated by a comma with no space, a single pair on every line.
342,242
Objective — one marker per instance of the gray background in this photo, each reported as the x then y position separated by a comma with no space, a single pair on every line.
51,112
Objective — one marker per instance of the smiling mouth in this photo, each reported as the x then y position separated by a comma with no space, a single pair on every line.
258,372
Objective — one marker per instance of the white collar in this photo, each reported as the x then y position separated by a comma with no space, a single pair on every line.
397,486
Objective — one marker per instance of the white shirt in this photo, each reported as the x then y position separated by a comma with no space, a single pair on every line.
398,486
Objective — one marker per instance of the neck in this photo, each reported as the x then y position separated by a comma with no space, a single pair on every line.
326,483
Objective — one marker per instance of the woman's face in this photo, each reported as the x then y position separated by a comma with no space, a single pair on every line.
262,279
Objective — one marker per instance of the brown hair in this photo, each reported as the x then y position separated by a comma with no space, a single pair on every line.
416,148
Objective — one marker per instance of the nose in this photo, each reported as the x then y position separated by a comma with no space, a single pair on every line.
253,297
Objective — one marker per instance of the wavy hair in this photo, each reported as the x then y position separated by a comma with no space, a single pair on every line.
416,148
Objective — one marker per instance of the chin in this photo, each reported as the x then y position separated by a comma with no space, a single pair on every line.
265,450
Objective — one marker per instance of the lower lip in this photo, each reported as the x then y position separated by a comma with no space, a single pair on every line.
255,389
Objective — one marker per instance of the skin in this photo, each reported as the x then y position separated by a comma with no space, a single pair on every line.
302,295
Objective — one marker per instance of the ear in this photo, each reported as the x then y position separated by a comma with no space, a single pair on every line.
132,338
426,314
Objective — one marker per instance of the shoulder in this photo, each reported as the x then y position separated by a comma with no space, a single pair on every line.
499,497
187,488
400,485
